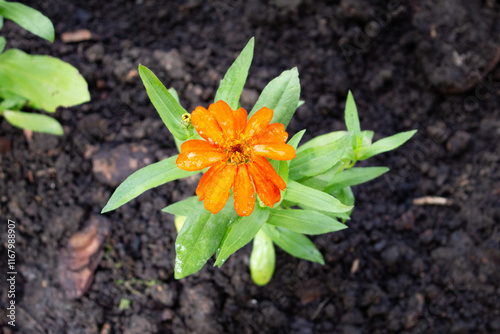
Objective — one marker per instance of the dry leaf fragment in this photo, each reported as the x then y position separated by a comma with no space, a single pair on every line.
76,36
81,256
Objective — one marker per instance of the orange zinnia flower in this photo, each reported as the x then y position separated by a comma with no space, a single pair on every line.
237,150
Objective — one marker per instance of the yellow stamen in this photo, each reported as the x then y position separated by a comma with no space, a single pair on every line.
238,151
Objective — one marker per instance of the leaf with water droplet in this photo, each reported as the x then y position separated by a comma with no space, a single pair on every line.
200,237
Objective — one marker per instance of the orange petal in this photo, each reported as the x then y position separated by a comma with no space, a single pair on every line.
268,170
243,192
240,119
206,178
275,151
224,115
197,160
217,192
258,122
272,134
206,125
268,192
197,145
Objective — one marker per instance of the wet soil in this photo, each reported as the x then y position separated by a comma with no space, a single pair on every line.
430,65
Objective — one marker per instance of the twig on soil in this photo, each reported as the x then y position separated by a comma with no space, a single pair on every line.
319,309
432,200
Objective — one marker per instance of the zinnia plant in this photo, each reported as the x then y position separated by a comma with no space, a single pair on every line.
255,185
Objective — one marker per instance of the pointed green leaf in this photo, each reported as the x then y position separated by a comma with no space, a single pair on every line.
34,122
45,81
165,104
174,94
368,135
282,96
144,179
384,145
354,176
28,18
344,195
322,140
351,115
335,215
232,85
294,243
312,198
184,207
262,259
199,238
321,181
240,233
316,160
296,139
304,221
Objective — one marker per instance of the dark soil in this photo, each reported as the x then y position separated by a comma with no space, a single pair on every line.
428,65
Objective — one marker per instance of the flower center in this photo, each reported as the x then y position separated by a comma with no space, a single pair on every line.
238,151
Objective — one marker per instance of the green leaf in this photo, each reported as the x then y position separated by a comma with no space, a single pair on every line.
231,86
1,22
174,94
184,207
351,115
28,18
262,259
322,140
384,145
334,215
2,44
144,179
34,122
345,195
304,221
45,81
11,101
165,104
321,181
354,176
316,160
367,135
199,238
179,222
240,233
314,199
294,243
282,96
296,139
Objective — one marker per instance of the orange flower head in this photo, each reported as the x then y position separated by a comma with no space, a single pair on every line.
236,150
